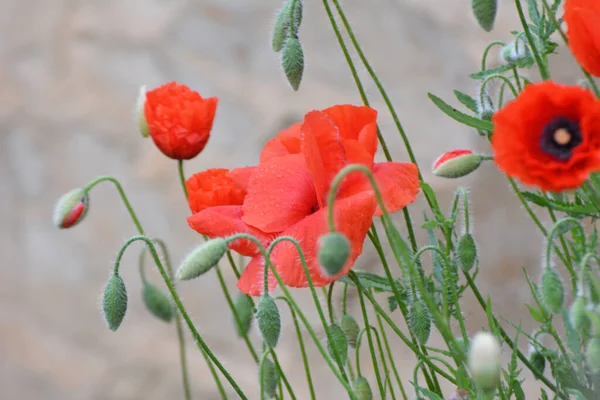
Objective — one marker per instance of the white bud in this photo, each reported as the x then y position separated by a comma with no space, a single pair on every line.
484,360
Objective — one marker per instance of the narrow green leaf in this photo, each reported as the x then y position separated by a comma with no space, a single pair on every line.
466,100
459,116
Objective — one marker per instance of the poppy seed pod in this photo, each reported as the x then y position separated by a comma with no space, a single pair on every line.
70,209
484,360
334,251
202,259
456,164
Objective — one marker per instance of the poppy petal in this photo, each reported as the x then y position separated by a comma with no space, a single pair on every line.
280,194
322,150
224,221
353,217
241,176
356,122
213,187
285,143
251,281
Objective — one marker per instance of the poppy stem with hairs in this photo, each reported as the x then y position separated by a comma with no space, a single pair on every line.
197,337
536,54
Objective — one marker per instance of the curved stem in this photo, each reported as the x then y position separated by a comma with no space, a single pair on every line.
487,50
197,337
502,78
330,301
538,59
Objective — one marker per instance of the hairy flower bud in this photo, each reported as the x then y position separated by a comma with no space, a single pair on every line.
157,302
485,13
592,355
337,344
537,360
140,116
578,315
244,309
350,328
70,209
362,389
514,52
269,321
466,251
287,22
334,251
553,293
270,376
114,302
456,164
293,61
202,259
484,360
419,320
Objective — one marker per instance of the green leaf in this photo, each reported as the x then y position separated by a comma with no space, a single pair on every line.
491,71
536,314
534,12
428,393
459,116
372,281
490,317
466,100
570,208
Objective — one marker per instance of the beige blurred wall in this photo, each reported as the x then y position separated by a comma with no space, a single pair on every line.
69,75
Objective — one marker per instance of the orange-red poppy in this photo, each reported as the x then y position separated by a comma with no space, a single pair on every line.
179,120
286,195
583,32
549,136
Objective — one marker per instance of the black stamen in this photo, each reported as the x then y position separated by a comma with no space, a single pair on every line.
548,141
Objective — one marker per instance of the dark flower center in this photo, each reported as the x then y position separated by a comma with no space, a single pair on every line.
560,137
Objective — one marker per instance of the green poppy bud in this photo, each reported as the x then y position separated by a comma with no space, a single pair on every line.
293,61
485,13
270,378
337,342
419,320
334,251
456,164
537,360
70,209
269,321
592,355
578,315
362,389
203,259
114,302
351,329
245,312
553,293
466,251
157,302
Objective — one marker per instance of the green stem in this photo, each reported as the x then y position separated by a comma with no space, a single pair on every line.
284,378
197,337
487,50
182,177
538,59
330,302
390,356
371,347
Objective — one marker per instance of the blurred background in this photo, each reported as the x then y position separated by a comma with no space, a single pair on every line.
69,77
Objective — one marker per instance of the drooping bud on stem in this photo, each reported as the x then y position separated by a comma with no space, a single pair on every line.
484,361
337,344
466,252
293,61
334,251
537,359
362,389
114,302
270,376
485,13
203,259
157,302
351,329
514,52
269,321
456,163
244,309
553,293
419,320
71,208
578,315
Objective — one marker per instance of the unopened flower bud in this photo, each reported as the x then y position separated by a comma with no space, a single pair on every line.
157,302
456,164
287,17
114,302
578,315
514,52
71,208
334,251
337,344
466,251
140,115
362,389
537,360
293,61
485,13
269,321
484,361
419,320
592,355
202,259
553,293
270,376
244,309
350,328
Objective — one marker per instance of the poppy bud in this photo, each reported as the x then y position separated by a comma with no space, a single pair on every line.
286,15
592,355
484,360
269,321
578,315
466,252
334,251
456,164
157,302
485,13
337,344
70,209
202,259
351,329
270,376
244,309
514,52
362,389
419,320
553,293
293,61
114,302
537,360
139,113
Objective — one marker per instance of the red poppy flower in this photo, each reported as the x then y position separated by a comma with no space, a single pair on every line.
583,32
549,136
179,120
286,195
